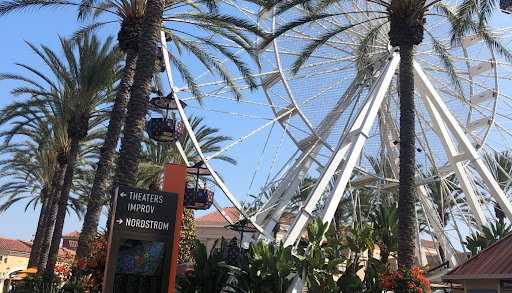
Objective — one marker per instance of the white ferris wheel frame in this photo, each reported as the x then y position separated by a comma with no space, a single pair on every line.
345,155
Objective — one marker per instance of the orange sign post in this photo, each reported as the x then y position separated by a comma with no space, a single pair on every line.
174,181
143,246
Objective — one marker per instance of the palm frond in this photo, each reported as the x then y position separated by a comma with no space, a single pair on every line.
20,5
86,30
315,44
446,59
365,46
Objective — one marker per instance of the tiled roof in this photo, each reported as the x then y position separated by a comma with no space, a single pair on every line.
17,245
74,234
234,215
23,246
493,262
428,244
216,216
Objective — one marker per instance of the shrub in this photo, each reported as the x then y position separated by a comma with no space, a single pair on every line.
410,281
207,276
91,268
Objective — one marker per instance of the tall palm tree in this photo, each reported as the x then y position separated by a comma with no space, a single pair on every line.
157,154
406,20
30,167
78,90
89,80
183,19
33,116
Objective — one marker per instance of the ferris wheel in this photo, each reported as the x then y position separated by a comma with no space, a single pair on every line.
337,125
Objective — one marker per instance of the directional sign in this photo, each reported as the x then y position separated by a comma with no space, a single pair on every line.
145,211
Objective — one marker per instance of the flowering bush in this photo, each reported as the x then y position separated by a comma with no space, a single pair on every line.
63,268
412,281
93,265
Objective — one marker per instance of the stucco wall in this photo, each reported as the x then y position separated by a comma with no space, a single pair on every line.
14,263
208,235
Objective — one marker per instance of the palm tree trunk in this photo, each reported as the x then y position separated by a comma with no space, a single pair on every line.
126,172
108,151
62,207
406,202
38,238
49,221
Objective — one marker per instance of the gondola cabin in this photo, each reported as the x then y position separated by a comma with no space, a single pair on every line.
231,250
164,129
198,199
197,195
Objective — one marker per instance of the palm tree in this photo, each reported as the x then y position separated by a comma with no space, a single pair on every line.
89,80
406,20
385,224
30,169
480,241
178,19
500,166
82,86
27,118
157,154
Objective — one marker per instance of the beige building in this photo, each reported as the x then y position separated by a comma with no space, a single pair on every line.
212,226
14,255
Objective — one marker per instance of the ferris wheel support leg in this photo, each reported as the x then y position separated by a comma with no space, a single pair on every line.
390,134
428,95
288,193
469,151
351,145
443,121
296,171
286,190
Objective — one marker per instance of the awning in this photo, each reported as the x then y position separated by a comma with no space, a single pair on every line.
29,271
19,276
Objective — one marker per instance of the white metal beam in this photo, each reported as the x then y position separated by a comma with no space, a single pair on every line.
475,160
282,195
351,145
433,218
427,92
